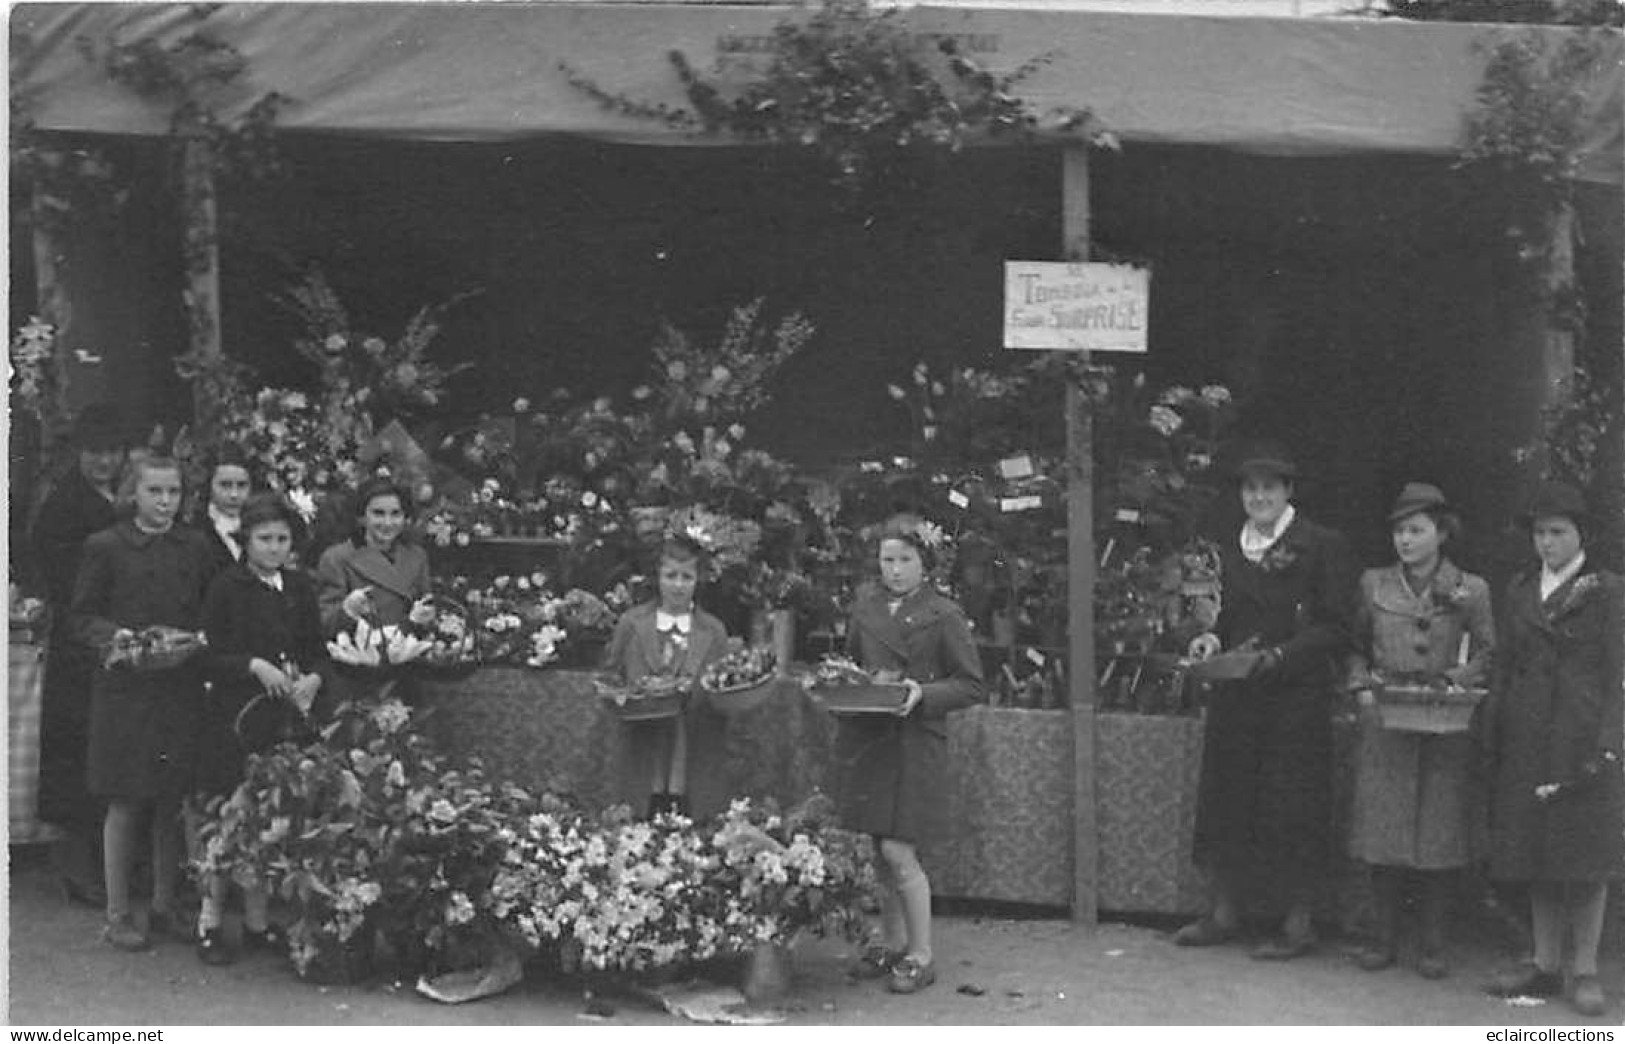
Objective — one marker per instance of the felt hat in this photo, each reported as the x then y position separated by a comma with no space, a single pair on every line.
1556,499
1417,496
1266,458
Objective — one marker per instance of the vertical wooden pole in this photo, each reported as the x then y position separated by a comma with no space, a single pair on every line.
202,291
1080,550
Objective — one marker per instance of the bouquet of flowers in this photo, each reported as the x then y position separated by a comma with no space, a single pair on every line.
518,621
443,623
371,646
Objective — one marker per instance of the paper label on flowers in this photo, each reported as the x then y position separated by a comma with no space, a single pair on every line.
1076,306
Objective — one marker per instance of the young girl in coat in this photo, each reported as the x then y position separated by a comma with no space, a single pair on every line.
892,770
229,486
377,574
670,636
265,636
143,724
1552,735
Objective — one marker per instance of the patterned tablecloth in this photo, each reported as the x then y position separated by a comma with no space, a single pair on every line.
23,687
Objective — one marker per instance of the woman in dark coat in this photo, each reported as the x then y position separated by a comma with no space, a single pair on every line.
893,771
143,724
79,505
1264,806
220,520
1552,736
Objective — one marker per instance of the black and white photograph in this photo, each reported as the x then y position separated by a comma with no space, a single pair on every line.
818,513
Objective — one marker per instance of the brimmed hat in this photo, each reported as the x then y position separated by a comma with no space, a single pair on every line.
1415,497
1556,499
1266,458
97,428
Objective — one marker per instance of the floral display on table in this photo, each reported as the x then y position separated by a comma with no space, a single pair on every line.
518,621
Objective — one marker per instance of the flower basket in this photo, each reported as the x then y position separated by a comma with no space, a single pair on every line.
1226,666
873,698
740,681
1425,708
653,699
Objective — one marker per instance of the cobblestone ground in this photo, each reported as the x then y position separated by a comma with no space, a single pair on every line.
992,971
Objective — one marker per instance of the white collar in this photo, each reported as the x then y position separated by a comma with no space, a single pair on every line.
678,622
1550,581
273,581
1255,543
223,522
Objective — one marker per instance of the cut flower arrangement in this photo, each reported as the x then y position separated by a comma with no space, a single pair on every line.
518,621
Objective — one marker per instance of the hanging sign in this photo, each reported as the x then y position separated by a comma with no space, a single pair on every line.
1076,306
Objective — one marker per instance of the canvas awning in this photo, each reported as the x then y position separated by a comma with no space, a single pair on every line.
492,71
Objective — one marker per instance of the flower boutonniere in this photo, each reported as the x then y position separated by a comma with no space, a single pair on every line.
1279,557
1452,598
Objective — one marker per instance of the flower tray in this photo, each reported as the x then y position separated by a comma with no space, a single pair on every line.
632,705
1424,708
873,698
737,699
156,648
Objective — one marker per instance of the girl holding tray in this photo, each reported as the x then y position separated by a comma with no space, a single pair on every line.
668,637
143,723
265,636
892,769
1421,620
1551,739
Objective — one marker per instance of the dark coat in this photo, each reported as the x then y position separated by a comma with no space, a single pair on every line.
892,773
247,619
220,553
635,652
72,512
1555,707
1264,805
143,725
395,584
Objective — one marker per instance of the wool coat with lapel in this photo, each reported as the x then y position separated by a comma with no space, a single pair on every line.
72,512
246,618
143,724
1264,805
892,773
636,651
397,580
1555,708
1415,800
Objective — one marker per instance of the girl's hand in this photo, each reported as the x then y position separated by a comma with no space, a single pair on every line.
303,692
1369,717
915,694
275,682
357,605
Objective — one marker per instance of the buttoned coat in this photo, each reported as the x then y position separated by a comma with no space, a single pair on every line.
893,773
1264,803
71,513
246,618
1414,800
635,652
143,724
397,580
1554,711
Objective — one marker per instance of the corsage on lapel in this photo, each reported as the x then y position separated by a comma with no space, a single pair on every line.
1281,556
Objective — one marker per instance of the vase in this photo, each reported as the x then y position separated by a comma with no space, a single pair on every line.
766,976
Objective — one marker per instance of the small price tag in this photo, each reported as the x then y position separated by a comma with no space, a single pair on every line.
958,499
1027,503
871,466
902,462
1036,657
1017,467
1128,515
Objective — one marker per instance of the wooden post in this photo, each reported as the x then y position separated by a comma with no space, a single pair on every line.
202,292
50,250
1080,551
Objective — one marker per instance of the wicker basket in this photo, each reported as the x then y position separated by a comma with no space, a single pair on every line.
631,705
1422,708
874,698
738,699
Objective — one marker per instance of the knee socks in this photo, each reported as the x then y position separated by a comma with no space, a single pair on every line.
1546,908
120,830
1587,902
914,890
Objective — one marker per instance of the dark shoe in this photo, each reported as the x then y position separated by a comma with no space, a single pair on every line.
1588,999
1206,932
273,940
909,975
875,962
172,925
212,949
1433,966
1527,980
121,934
1375,958
1284,947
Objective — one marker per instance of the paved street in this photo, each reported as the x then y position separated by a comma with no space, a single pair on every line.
1015,972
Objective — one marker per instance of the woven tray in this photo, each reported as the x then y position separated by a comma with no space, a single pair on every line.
1421,708
1227,666
875,698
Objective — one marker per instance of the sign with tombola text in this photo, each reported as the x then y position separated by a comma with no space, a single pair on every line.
1079,306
